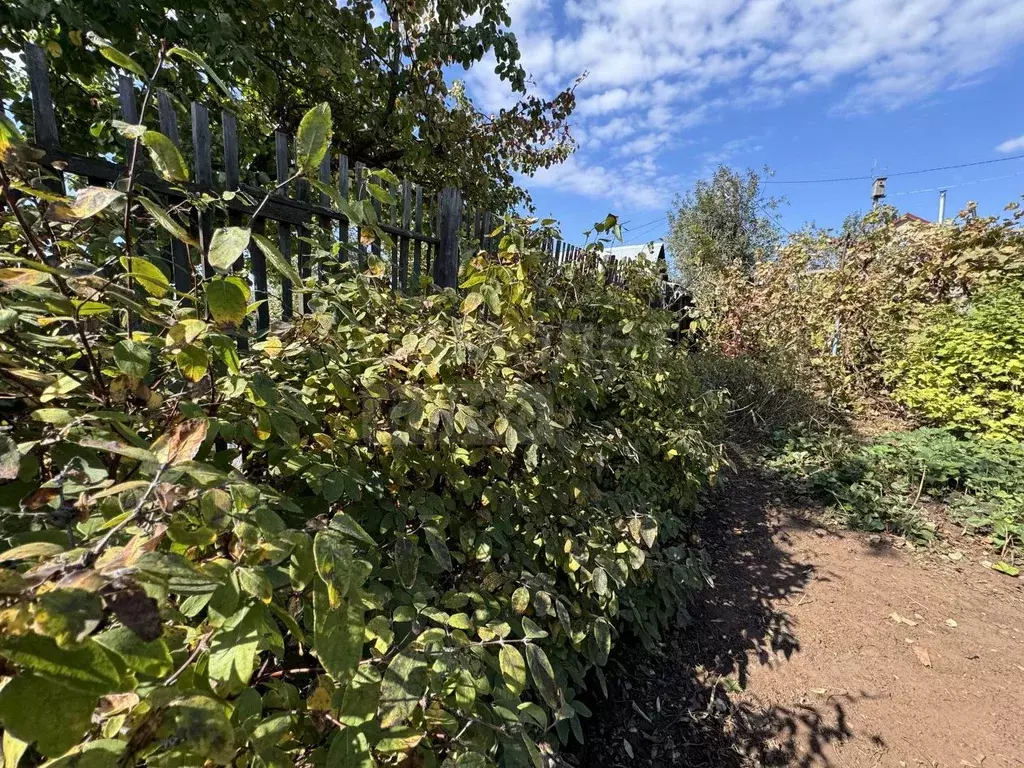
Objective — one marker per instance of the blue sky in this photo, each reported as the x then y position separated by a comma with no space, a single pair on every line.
811,88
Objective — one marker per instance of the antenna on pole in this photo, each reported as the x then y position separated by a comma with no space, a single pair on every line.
878,190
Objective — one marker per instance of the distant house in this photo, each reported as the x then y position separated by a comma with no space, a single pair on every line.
654,252
909,218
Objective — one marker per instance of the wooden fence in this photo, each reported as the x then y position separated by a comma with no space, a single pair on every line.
426,228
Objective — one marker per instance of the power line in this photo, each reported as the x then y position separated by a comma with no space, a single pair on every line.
774,218
958,184
645,225
899,173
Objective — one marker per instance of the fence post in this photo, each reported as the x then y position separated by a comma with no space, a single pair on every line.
446,265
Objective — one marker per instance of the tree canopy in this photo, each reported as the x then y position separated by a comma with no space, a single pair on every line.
720,222
386,75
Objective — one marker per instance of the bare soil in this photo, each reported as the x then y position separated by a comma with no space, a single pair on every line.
823,648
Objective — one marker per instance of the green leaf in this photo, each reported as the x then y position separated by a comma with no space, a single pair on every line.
129,130
102,753
333,558
148,275
199,730
166,158
511,439
602,641
168,222
407,560
175,573
86,668
227,245
359,703
1004,567
438,547
338,634
195,58
132,359
88,202
399,740
32,550
227,301
285,428
313,139
350,749
277,260
193,362
543,675
344,523
402,687
233,653
152,658
111,446
40,710
68,615
122,60
513,668
531,631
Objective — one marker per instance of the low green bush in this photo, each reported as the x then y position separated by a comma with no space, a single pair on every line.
879,486
394,530
964,368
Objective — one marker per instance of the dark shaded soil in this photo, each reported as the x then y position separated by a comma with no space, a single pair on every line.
820,648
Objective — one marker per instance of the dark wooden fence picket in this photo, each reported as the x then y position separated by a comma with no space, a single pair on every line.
430,227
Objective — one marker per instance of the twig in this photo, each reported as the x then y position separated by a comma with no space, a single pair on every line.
920,488
95,551
200,647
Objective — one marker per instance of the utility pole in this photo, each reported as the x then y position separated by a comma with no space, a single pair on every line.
878,190
942,207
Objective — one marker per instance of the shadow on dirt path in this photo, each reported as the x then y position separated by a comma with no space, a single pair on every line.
793,657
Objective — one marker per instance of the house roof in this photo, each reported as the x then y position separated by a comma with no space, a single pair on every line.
647,251
908,218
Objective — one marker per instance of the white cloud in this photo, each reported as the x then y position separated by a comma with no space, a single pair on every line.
636,185
657,68
1011,145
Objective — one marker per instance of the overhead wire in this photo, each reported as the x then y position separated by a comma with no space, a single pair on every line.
896,173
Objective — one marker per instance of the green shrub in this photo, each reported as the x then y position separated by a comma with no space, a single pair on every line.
879,486
394,530
965,368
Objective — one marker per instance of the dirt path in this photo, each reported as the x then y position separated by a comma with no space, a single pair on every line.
818,648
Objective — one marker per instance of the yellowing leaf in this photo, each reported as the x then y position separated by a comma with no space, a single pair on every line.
181,442
12,278
166,157
471,302
193,362
88,202
227,301
226,246
513,668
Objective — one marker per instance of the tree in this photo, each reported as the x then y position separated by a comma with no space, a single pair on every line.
724,221
386,79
